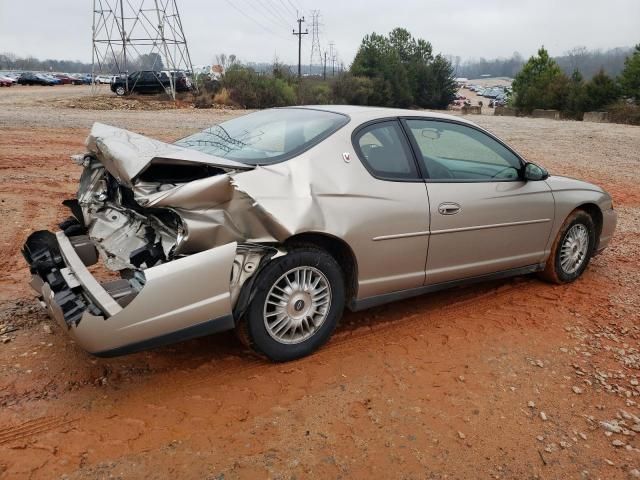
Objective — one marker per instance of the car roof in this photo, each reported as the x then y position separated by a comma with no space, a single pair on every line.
364,114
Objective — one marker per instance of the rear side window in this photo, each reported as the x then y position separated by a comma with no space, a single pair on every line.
267,136
385,152
148,76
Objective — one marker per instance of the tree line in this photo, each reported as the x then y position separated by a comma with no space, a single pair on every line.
588,62
394,70
10,61
542,83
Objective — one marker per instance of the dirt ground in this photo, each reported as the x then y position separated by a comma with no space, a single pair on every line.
513,379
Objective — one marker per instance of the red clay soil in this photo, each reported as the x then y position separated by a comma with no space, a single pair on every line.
508,379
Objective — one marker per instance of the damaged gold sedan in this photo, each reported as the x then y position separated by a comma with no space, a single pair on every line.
274,222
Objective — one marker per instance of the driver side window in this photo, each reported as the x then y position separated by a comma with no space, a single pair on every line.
452,152
148,77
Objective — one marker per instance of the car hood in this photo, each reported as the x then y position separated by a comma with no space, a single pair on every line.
560,183
126,154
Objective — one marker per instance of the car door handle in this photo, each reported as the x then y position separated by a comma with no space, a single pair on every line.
449,208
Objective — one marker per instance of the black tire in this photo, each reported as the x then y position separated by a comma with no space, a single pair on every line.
120,91
554,272
252,327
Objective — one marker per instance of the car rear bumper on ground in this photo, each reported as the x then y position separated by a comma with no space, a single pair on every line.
186,298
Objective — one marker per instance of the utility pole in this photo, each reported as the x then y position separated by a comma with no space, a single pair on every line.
299,33
324,69
332,54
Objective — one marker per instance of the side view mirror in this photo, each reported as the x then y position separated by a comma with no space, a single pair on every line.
533,172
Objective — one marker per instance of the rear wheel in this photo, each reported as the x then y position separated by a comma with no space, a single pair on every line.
572,249
297,303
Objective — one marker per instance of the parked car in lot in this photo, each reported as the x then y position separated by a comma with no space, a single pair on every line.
52,78
149,82
28,78
86,78
272,223
68,79
6,81
499,101
102,79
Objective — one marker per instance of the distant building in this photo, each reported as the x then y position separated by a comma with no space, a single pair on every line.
215,72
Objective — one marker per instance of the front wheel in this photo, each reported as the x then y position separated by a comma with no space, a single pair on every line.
572,249
120,91
297,303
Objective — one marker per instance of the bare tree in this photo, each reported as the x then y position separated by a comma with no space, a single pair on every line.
221,59
226,60
576,57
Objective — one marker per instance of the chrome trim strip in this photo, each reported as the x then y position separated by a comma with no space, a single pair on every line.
461,229
400,235
485,227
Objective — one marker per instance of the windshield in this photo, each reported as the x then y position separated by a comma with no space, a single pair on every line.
267,136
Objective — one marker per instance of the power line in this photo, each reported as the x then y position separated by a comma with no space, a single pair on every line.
282,14
273,17
246,15
293,6
294,11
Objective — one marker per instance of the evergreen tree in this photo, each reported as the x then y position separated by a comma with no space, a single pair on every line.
577,98
630,76
403,71
540,84
601,91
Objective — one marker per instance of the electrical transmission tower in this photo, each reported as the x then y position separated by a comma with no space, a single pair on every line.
147,36
333,56
316,55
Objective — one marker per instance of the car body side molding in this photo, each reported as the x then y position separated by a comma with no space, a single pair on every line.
461,229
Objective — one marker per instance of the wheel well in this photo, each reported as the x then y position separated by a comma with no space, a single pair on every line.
339,250
596,215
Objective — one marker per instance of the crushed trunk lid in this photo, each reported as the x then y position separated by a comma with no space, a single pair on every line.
127,154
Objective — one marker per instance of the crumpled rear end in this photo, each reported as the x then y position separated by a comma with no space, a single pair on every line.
186,298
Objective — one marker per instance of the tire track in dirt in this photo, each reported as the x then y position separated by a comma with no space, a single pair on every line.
38,426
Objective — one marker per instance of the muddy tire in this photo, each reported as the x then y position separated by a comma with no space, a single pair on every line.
297,303
571,250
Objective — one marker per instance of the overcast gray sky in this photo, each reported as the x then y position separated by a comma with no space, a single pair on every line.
256,30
